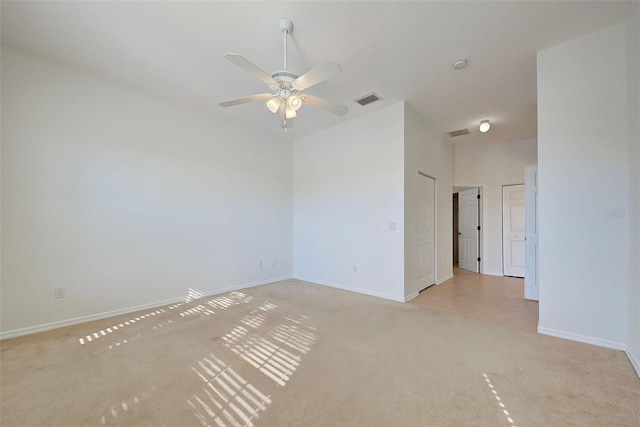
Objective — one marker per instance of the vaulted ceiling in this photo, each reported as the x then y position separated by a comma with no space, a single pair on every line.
400,50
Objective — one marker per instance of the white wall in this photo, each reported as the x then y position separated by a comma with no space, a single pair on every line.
491,166
583,170
633,76
348,187
429,152
126,200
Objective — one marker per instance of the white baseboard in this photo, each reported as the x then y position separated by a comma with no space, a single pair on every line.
445,278
351,289
634,362
409,297
582,338
83,319
248,285
493,273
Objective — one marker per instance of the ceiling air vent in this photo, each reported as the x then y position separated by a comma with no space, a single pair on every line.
459,132
368,99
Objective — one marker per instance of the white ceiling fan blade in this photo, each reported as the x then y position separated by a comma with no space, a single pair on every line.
325,105
248,66
244,100
318,74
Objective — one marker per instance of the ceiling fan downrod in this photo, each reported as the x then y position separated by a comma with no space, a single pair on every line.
285,26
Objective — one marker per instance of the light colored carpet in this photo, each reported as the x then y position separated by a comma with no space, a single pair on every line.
297,354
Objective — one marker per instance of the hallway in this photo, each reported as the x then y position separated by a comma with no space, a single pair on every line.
483,297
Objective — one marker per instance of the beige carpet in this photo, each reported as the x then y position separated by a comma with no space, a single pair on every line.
296,354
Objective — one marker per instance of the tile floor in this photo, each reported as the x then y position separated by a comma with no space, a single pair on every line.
485,297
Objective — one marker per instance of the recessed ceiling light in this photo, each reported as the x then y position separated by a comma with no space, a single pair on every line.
484,126
459,64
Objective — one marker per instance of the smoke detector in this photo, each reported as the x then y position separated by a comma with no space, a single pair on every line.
459,64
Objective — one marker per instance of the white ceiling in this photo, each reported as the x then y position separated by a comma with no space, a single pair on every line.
400,50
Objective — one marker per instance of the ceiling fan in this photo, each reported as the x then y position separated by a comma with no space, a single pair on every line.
286,97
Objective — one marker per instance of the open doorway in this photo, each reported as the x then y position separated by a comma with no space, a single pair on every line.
467,220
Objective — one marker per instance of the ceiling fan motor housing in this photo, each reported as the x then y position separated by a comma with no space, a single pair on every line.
284,75
285,83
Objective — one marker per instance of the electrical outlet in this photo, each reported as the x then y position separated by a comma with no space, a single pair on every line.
355,268
261,264
274,263
59,293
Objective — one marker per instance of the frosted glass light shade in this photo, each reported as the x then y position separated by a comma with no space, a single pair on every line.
294,102
273,104
291,114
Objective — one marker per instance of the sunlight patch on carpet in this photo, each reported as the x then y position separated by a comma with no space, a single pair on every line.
498,399
222,302
200,309
267,306
119,327
299,338
125,405
227,398
268,354
254,319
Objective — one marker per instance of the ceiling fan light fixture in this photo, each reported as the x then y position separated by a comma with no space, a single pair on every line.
484,126
290,114
294,102
273,104
285,86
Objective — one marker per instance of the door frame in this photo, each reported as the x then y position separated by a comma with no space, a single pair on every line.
457,189
532,234
435,226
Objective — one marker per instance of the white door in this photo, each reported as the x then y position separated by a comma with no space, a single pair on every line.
513,230
426,232
531,233
468,222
